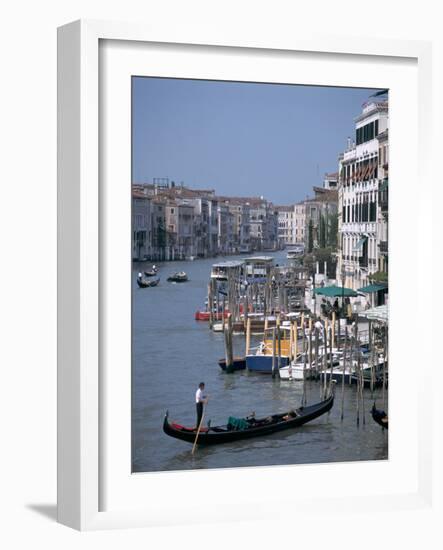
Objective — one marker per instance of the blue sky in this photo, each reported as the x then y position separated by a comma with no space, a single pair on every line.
241,138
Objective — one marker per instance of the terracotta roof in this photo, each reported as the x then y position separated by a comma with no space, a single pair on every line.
138,194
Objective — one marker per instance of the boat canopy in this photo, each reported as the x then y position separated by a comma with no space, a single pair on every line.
379,313
259,260
335,291
230,264
375,287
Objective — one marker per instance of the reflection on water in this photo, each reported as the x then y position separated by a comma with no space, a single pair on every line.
172,353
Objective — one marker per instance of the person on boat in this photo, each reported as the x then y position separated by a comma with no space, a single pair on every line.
318,325
291,414
200,400
139,276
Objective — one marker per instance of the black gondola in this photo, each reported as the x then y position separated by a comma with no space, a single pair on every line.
151,272
254,427
380,417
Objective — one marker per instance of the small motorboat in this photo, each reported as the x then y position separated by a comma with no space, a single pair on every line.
179,277
297,369
379,416
145,283
206,315
246,428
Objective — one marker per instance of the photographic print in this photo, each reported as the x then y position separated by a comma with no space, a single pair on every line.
259,274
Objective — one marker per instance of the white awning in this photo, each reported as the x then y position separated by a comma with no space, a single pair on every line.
359,244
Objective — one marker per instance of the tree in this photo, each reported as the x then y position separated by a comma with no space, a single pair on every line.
310,236
333,231
321,255
322,230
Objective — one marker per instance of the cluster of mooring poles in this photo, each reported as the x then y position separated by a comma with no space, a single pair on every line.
249,306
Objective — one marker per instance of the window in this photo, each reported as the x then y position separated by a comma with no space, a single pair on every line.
367,132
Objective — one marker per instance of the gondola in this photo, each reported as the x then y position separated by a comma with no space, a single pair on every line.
380,417
151,272
179,277
250,426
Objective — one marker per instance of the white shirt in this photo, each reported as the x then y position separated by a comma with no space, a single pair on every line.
199,397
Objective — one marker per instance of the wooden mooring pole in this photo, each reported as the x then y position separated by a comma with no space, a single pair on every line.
345,352
273,351
248,336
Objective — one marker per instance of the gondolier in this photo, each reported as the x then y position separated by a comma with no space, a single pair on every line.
200,400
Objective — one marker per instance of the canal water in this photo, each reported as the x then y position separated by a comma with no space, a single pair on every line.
172,353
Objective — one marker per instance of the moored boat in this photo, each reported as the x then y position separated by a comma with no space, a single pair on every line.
246,428
179,277
296,369
239,363
206,315
379,416
263,360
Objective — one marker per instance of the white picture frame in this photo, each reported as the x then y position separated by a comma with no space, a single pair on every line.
82,394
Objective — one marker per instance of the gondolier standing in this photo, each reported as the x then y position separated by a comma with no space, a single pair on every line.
200,400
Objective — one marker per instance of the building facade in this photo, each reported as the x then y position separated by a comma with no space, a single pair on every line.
360,211
175,222
286,224
299,223
141,226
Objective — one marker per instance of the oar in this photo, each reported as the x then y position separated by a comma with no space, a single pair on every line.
198,430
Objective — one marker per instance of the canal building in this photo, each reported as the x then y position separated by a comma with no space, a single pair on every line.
382,228
331,181
286,224
320,217
159,238
299,223
141,225
361,220
240,212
